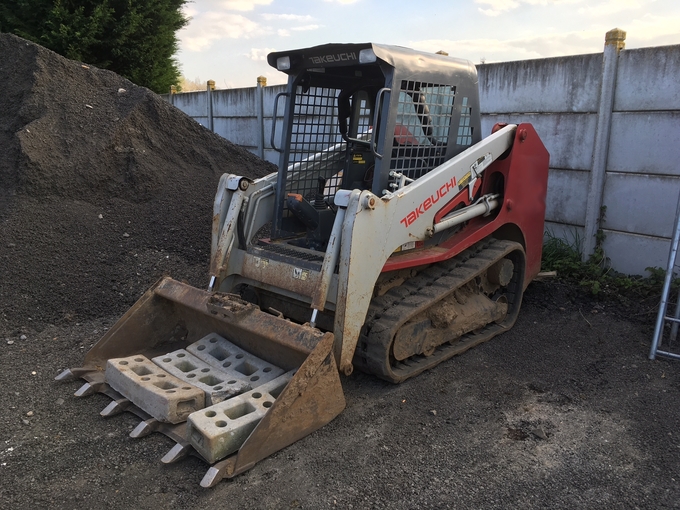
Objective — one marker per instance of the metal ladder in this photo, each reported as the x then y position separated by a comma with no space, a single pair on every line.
658,343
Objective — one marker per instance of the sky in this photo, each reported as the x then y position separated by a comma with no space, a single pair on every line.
228,40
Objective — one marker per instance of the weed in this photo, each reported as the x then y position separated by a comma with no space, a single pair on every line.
596,275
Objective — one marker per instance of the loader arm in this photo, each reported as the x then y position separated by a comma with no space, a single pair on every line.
374,228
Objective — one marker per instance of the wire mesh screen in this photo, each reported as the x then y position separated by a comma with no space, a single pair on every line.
422,129
364,120
464,129
316,146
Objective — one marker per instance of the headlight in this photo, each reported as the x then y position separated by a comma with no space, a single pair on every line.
283,63
367,56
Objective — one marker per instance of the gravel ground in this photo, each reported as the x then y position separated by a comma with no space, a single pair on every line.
563,411
99,201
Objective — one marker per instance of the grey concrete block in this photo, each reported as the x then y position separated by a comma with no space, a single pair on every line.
218,385
220,430
224,355
163,396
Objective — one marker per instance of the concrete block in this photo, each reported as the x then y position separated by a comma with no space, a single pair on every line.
219,430
163,396
224,355
218,385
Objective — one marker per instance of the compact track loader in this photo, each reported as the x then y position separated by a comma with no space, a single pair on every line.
392,237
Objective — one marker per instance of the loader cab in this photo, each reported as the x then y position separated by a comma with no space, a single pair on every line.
363,116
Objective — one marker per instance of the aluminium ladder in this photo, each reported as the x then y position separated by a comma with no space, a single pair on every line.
659,347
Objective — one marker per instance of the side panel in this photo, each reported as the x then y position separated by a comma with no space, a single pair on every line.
524,173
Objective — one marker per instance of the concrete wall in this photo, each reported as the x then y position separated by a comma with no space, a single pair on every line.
563,98
235,115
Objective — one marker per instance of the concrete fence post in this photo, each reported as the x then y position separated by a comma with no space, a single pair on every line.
259,100
210,88
614,43
171,96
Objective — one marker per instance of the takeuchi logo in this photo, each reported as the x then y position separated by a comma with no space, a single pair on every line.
428,202
338,57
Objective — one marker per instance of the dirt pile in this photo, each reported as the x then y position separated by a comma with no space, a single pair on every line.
105,187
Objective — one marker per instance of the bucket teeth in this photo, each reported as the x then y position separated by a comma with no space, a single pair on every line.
144,428
71,374
116,407
66,375
88,389
179,451
212,477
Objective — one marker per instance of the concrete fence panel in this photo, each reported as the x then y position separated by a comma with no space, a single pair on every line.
568,137
563,84
647,80
633,254
566,198
235,102
194,104
238,130
639,203
645,142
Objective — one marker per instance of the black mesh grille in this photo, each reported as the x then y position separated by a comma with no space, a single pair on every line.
464,129
422,129
316,147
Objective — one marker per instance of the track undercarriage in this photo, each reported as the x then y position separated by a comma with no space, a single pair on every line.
442,311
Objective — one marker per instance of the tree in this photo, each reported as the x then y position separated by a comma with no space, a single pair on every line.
187,85
134,38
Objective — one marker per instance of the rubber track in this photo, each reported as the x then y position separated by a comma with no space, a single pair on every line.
389,312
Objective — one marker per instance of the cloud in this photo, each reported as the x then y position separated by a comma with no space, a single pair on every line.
208,27
189,10
259,54
497,7
243,5
344,2
653,30
287,17
497,50
306,27
611,7
644,31
282,32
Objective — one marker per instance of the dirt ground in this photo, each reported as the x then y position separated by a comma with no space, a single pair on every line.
103,191
563,411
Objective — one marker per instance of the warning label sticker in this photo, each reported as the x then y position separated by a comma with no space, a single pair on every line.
464,181
358,158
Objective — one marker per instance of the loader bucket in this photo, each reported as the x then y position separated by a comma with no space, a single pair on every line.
229,383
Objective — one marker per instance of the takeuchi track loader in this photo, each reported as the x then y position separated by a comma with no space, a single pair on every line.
392,237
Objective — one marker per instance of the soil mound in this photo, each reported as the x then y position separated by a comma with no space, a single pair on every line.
105,187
